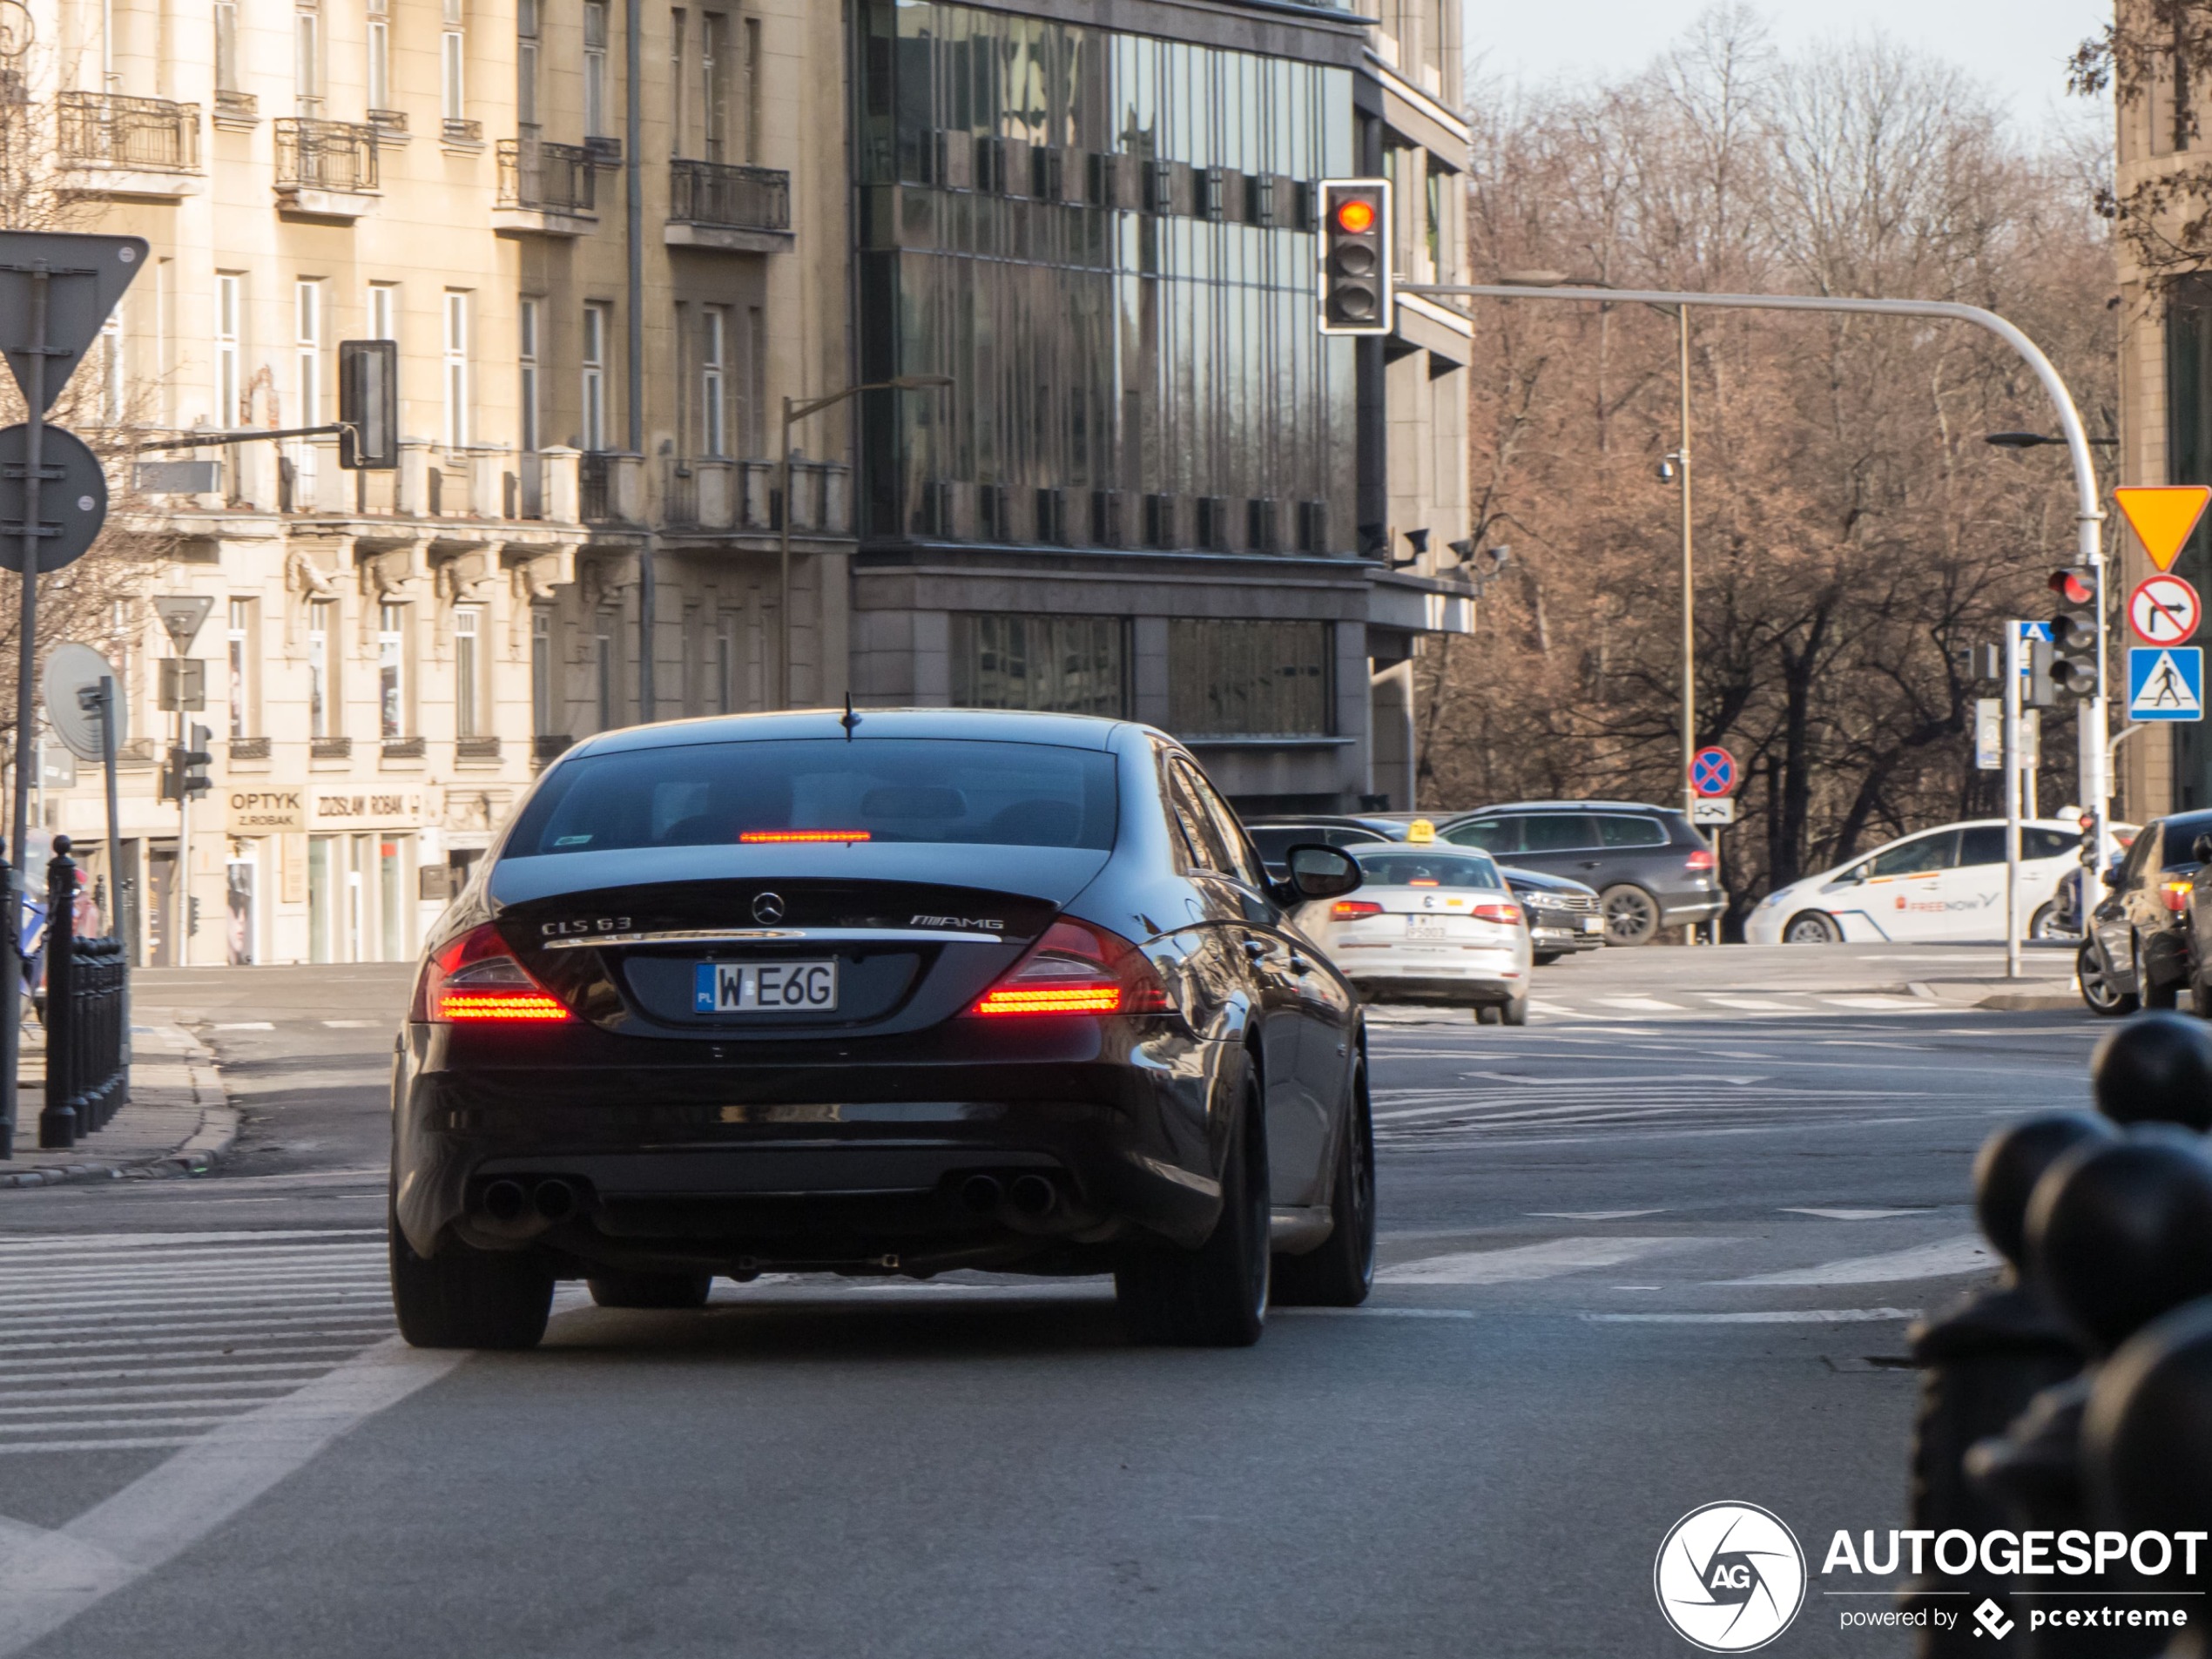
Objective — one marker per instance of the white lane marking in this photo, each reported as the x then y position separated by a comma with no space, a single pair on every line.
1848,1215
76,1242
1592,1215
13,1328
116,1374
245,1025
359,1336
1755,1004
60,1574
1642,1004
272,1385
228,1273
82,1406
17,1367
1376,1314
1518,1264
108,1301
76,1446
1764,1316
1884,1002
1946,1259
121,1426
349,1025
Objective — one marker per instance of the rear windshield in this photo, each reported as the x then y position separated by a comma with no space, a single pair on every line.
714,794
1275,839
1399,868
2182,831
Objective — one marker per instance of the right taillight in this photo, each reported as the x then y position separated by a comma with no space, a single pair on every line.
1352,909
1508,913
477,980
1077,968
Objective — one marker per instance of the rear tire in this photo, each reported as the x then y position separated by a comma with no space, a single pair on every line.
1812,927
2098,991
1631,915
1515,1012
462,1297
1545,959
1486,1013
1215,1296
1341,1272
651,1289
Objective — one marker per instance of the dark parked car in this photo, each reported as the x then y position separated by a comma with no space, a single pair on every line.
2138,954
1274,837
942,989
1564,916
1652,870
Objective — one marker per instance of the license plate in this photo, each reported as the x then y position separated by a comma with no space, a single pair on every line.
1593,924
1425,926
764,987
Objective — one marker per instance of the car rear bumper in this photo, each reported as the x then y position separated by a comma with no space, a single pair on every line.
1682,907
1566,938
1476,981
852,1159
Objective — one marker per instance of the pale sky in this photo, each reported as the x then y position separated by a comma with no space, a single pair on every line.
2018,47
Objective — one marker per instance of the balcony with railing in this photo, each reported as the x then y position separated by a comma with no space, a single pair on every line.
713,204
135,147
546,188
325,168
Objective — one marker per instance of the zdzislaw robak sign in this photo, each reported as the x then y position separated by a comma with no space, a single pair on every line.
282,809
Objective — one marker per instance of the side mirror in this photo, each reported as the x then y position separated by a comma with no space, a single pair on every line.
1322,871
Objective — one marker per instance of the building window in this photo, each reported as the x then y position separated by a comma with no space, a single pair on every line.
714,89
714,395
453,58
595,68
238,645
322,689
526,365
726,664
229,308
457,368
226,45
542,723
679,43
1248,679
596,331
753,431
1063,664
604,655
307,61
526,63
111,372
391,670
379,59
383,311
307,343
468,672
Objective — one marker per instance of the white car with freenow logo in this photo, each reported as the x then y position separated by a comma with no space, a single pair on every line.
1430,923
1946,883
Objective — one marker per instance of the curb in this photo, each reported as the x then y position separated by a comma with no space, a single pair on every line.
2029,1002
218,1127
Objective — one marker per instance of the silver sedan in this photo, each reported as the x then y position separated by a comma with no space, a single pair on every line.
1430,924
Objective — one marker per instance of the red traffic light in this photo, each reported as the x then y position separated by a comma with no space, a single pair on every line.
1356,217
2072,586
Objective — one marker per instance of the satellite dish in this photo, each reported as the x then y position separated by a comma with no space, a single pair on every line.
70,672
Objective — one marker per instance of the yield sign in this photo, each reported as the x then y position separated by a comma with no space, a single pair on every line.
2163,610
86,275
2163,517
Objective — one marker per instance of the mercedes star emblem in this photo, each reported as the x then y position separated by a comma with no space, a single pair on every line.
768,907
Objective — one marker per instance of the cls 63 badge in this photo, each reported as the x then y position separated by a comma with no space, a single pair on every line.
591,925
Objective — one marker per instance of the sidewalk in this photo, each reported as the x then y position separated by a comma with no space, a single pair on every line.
178,1120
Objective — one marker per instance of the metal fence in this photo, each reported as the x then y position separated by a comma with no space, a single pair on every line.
106,129
88,1067
325,155
711,192
550,177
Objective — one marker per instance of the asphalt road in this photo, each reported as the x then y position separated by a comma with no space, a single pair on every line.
1655,1250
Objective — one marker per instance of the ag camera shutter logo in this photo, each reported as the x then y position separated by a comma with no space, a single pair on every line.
1729,1577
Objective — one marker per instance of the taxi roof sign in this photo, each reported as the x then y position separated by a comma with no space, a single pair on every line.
1420,830
2163,517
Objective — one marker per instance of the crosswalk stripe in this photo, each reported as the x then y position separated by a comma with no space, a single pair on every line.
19,1367
26,1431
221,1273
239,1401
1549,1259
121,1322
163,1441
1642,1004
1945,1259
108,1373
74,1243
200,1334
167,1298
275,1386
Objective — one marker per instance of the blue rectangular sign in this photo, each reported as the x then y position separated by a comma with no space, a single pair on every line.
2165,682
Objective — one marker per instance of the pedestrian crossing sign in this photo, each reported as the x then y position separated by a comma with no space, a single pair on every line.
2165,682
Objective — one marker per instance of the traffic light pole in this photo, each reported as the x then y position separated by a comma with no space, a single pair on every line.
2088,517
2012,763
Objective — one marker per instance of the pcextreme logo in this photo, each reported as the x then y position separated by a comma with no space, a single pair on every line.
1729,1577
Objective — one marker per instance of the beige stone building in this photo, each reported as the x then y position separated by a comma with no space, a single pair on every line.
587,397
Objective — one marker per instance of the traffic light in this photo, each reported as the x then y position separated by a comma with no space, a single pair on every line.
369,405
2072,666
186,773
1355,256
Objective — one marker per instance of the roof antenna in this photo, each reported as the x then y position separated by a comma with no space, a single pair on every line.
851,720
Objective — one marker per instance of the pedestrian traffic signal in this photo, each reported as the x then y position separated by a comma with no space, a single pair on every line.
2073,667
1356,295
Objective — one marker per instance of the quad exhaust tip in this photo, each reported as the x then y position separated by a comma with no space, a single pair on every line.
982,1193
556,1199
1033,1196
505,1200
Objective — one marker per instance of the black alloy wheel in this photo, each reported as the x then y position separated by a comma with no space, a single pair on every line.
651,1289
2097,987
1215,1296
1812,927
1342,1271
463,1297
1631,915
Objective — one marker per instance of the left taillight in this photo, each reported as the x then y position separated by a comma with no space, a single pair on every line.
478,980
1700,858
1077,968
2177,895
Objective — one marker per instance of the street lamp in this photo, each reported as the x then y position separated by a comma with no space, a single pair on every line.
2031,440
794,413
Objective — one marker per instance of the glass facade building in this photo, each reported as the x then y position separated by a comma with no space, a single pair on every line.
1106,241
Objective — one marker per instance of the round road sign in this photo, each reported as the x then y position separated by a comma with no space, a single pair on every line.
71,670
1712,771
2163,610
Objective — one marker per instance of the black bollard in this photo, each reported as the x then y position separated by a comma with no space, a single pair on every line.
57,1122
2118,1233
2147,1448
1981,1362
2157,1067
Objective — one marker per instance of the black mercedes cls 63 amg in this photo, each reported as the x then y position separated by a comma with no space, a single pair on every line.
899,992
